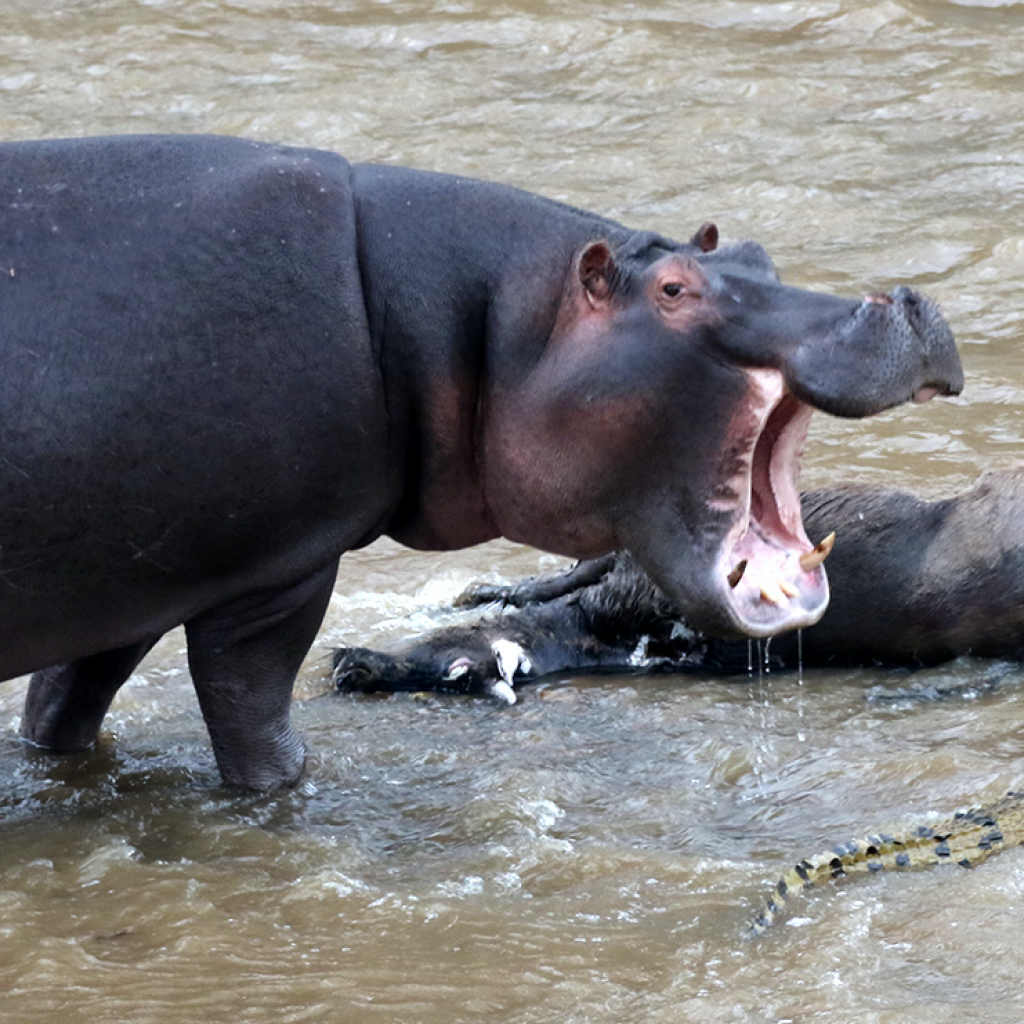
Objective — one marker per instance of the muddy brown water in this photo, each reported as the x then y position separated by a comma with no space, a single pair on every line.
592,854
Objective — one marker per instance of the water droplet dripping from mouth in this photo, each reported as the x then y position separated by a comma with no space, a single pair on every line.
800,679
760,705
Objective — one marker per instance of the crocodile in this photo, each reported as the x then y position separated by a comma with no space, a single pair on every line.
967,838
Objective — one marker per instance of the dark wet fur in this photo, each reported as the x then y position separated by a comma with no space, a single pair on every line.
914,583
591,617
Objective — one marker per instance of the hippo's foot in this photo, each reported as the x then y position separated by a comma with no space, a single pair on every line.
244,657
265,758
66,704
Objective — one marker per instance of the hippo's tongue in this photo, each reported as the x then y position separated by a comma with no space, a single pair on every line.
771,575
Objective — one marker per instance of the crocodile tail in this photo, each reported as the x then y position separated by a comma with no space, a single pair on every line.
967,839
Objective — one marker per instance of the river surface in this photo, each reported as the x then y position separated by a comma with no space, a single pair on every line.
594,853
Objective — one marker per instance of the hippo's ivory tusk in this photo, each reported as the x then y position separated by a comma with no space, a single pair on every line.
737,574
810,560
788,589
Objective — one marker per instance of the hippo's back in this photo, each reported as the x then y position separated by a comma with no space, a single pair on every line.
189,407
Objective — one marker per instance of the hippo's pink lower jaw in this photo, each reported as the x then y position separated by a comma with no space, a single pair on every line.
766,573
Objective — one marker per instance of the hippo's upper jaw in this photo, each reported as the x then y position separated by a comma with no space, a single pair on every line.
768,576
890,349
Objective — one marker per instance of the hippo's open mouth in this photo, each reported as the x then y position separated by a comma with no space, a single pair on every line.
769,574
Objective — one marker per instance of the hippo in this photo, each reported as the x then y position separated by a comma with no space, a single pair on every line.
914,582
226,363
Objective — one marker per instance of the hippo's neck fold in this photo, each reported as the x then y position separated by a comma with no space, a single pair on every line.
462,281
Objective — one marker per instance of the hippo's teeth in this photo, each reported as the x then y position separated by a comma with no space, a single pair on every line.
810,560
772,592
737,574
788,589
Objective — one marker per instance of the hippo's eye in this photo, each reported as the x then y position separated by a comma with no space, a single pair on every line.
678,290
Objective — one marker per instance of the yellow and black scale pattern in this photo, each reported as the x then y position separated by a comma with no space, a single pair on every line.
967,839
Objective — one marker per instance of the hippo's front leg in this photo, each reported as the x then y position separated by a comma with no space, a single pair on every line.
66,704
244,657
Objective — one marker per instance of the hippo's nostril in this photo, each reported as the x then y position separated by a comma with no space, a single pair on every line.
920,313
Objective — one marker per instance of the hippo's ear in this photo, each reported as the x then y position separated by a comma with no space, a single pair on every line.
706,238
597,271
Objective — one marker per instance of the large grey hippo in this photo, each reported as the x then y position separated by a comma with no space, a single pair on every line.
226,363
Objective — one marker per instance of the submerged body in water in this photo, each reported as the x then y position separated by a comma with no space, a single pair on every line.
967,839
913,582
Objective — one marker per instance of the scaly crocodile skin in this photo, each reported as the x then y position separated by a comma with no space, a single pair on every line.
967,839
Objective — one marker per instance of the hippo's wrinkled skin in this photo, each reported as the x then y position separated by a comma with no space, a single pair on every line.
225,363
913,582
